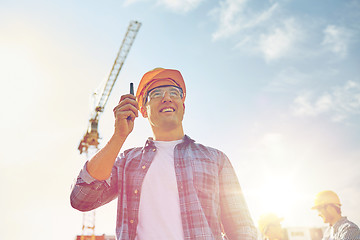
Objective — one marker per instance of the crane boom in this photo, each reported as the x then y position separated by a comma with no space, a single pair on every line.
91,137
133,29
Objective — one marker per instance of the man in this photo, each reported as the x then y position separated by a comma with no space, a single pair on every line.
269,225
328,205
172,188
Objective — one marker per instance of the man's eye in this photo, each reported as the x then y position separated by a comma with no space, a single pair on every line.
174,93
156,94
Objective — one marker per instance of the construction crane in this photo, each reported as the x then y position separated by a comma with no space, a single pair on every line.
91,137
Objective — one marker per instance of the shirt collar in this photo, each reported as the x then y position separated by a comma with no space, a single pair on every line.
339,223
150,142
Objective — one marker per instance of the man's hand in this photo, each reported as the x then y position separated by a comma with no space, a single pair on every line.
100,165
125,113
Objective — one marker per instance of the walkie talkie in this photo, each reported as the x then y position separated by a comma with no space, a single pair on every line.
132,88
131,92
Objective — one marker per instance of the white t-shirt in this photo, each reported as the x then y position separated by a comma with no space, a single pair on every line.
159,210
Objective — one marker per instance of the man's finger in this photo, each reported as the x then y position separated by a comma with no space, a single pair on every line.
127,96
127,102
127,114
125,108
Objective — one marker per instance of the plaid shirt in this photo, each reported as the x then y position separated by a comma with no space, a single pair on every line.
342,230
211,199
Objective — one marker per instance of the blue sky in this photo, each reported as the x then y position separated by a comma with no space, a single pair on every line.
273,84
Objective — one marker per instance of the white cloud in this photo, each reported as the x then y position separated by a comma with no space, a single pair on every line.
336,40
340,103
303,105
272,33
129,2
229,15
180,5
262,17
233,17
280,42
175,5
262,31
287,79
244,42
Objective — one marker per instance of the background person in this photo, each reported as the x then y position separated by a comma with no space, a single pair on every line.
270,227
172,188
328,205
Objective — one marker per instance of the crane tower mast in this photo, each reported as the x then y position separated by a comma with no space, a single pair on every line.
91,137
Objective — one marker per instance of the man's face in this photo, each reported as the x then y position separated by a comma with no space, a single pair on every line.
324,213
164,107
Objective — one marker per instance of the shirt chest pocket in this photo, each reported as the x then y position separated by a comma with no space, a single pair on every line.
205,176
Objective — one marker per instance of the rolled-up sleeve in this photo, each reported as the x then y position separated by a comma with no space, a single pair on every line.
89,193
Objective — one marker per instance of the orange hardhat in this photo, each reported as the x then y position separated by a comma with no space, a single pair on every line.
326,197
159,77
267,219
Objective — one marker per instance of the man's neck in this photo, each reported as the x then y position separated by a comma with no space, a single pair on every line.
335,220
168,135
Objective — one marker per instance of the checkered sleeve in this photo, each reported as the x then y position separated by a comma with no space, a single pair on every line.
89,193
235,215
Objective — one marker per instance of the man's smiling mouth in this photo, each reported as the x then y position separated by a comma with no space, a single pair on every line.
167,110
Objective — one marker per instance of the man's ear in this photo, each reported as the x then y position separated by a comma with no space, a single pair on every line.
143,112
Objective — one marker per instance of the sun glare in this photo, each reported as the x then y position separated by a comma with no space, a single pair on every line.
278,194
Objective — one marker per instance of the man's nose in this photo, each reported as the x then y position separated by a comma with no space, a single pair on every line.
166,97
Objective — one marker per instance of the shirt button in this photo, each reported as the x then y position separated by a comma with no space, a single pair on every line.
136,191
143,167
131,221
